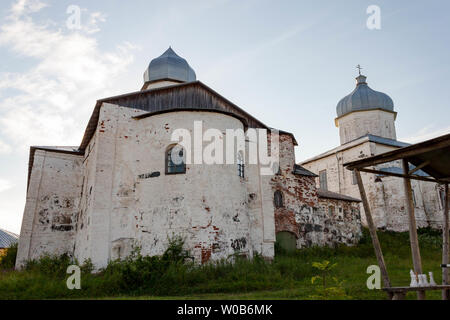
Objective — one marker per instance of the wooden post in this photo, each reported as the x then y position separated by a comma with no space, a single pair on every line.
373,231
413,238
445,245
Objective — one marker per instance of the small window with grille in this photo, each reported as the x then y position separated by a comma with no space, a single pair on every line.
175,160
241,166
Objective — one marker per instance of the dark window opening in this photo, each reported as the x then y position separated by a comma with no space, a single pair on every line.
278,199
241,167
323,179
442,198
175,160
331,210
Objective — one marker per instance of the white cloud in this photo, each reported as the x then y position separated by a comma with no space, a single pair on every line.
5,185
4,148
56,96
26,6
50,102
426,133
92,25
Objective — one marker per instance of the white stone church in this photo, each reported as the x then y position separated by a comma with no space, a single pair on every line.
366,122
120,188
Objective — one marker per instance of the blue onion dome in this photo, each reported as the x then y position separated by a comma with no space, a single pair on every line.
363,98
169,66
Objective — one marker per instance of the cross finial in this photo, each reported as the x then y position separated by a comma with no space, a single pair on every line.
359,69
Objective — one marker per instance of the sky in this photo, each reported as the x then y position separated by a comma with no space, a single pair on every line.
288,63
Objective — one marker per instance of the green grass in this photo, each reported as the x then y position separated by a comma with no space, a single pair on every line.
287,277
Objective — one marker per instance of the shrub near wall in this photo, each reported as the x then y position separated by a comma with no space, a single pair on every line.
174,274
8,257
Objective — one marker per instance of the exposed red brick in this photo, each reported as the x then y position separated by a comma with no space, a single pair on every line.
206,254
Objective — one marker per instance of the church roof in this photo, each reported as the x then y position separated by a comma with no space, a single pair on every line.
194,96
7,238
358,141
298,169
364,98
387,141
321,193
150,114
169,66
67,149
399,170
184,96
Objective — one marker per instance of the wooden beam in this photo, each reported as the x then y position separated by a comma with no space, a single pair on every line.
410,151
373,231
445,245
423,164
400,175
413,238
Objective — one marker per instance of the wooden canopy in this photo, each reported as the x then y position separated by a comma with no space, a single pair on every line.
431,159
431,156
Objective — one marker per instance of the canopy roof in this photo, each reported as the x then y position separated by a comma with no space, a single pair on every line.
431,156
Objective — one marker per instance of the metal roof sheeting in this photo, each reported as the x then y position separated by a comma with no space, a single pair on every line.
7,238
364,98
180,96
355,142
333,195
387,141
302,171
169,65
400,171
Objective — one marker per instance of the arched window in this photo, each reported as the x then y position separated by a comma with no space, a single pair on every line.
331,210
175,160
240,163
323,179
278,199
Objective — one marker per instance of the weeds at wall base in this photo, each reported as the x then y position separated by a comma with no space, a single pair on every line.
173,273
